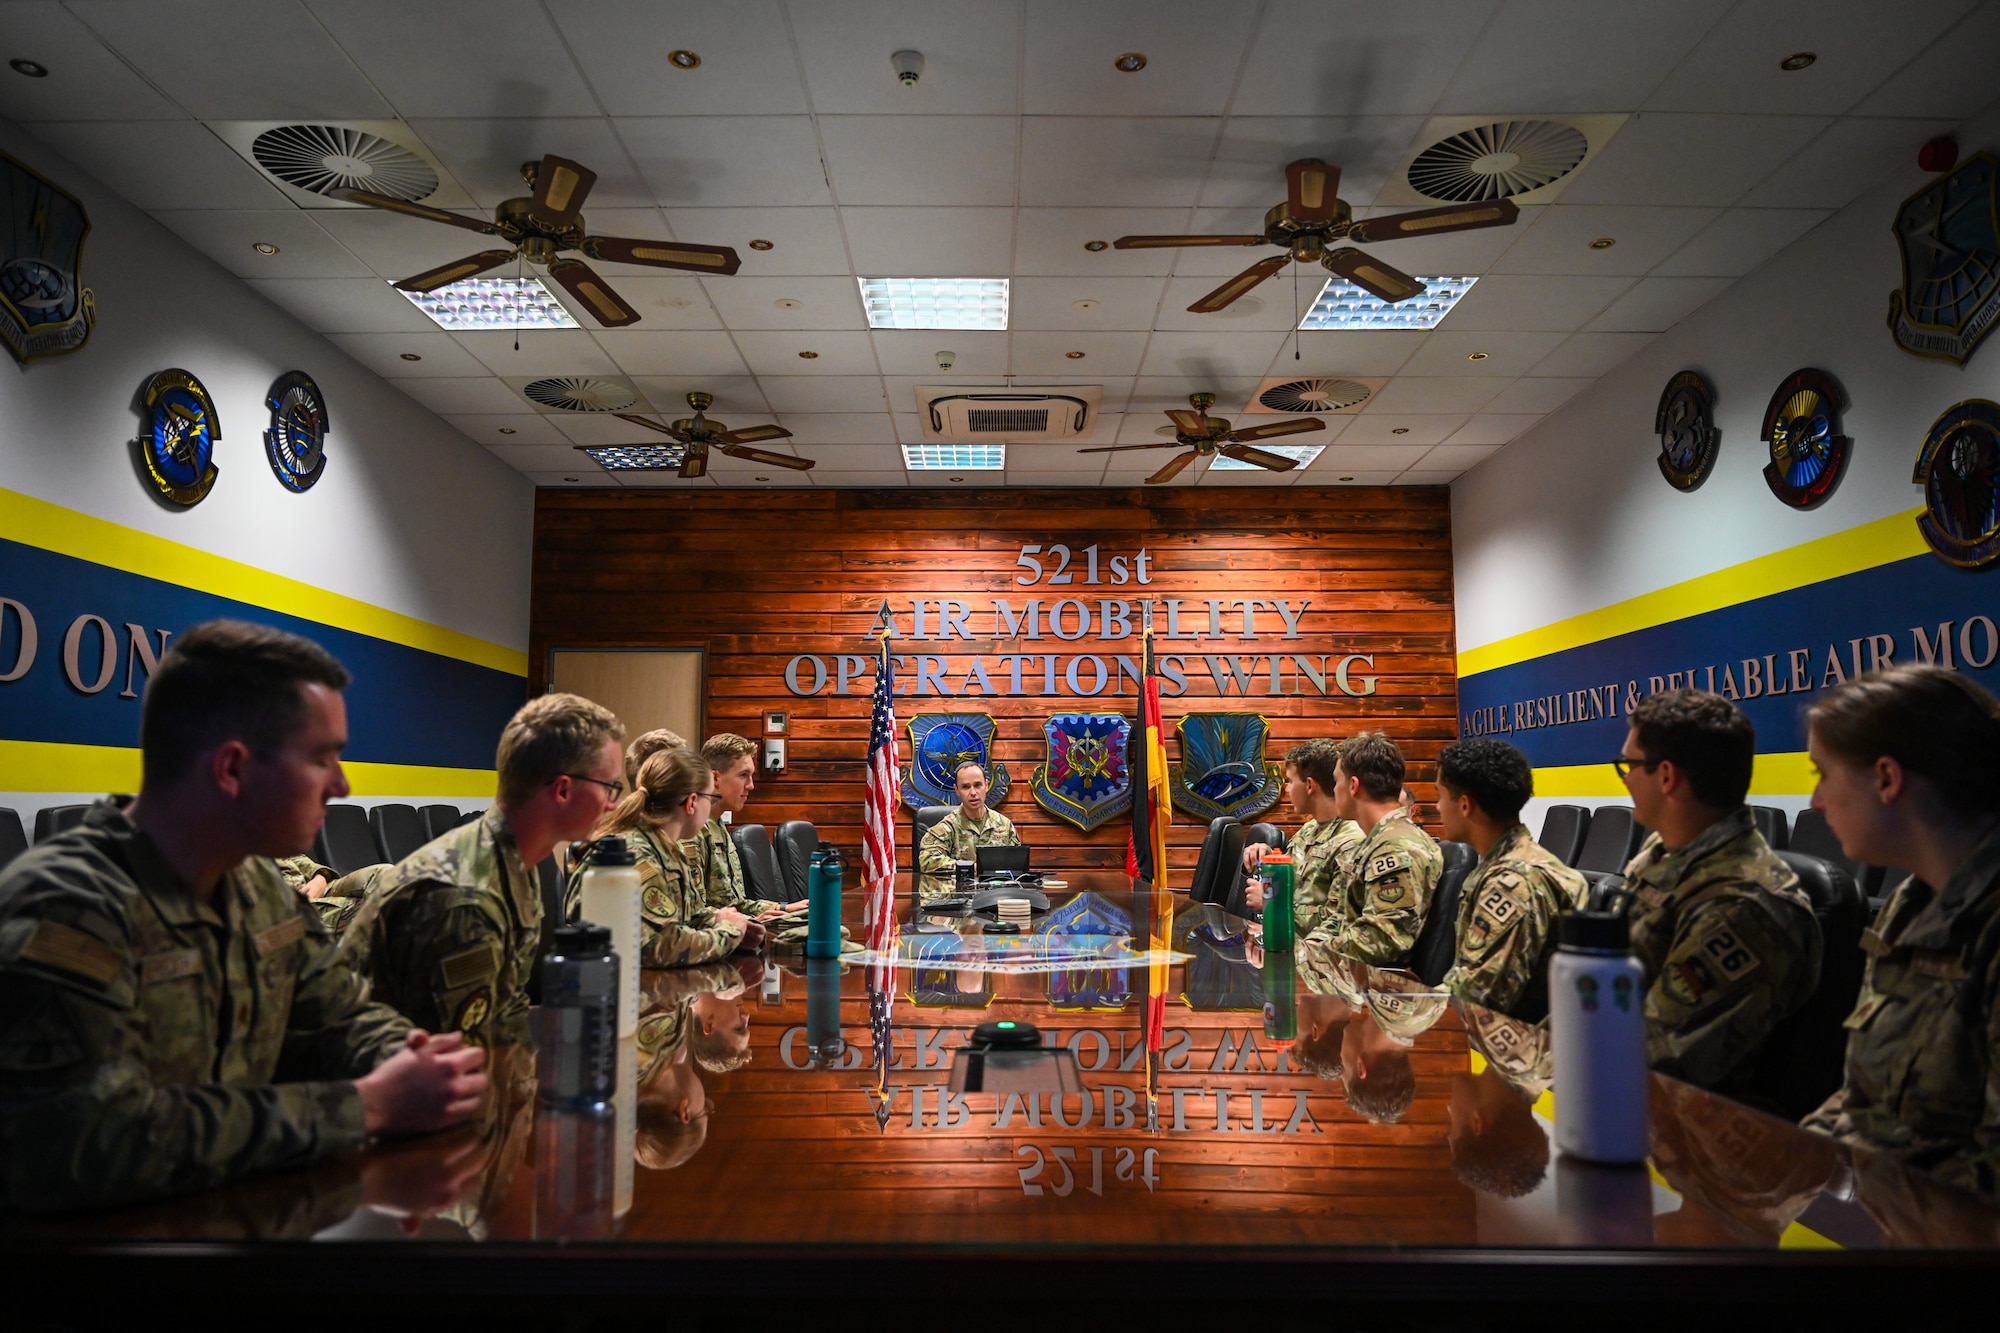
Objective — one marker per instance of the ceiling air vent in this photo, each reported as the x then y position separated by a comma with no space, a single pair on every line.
582,393
1313,395
322,158
1470,159
988,412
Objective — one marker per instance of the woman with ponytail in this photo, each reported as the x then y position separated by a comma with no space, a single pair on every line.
668,804
1909,775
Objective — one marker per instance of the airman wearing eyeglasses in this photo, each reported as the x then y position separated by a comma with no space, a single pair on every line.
449,936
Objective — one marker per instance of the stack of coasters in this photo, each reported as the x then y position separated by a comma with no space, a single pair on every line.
1014,911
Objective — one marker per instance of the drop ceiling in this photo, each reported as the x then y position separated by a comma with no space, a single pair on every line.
1020,143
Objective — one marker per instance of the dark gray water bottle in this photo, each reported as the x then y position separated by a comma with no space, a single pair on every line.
577,1061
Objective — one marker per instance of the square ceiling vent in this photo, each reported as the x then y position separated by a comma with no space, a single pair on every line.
306,158
976,413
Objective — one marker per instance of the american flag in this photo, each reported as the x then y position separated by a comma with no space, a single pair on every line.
878,818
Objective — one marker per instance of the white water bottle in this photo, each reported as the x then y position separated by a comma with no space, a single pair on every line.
610,898
1597,1021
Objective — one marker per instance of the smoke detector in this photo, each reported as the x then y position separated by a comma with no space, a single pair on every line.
306,160
1008,412
1313,396
1469,159
582,393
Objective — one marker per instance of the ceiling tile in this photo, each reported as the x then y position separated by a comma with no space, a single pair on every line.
838,353
857,457
396,246
1489,429
467,397
1268,309
914,352
1051,240
1656,304
930,242
969,57
1538,396
1144,427
1507,355
383,353
1559,241
818,428
599,428
1249,166
1212,476
1157,393
1044,354
1382,428
1121,304
1356,478
1541,56
576,478
622,45
1952,78
540,351
1429,478
228,236
1348,352
766,481
162,163
1690,160
84,82
1414,394
485,156
1505,302
508,62
1841,165
1344,457
859,480
1204,356
1192,48
727,161
526,428
1459,252
735,395
275,62
1114,162
751,303
1355,58
1222,261
1740,240
804,240
539,457
1051,458
671,352
663,302
921,160
1591,354
345,305
1052,477
1736,65
828,393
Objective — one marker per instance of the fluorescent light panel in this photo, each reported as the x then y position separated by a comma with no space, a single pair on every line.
1342,305
954,457
638,457
1305,453
935,303
494,303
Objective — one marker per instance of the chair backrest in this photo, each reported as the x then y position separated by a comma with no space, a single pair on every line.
398,830
438,820
550,882
1771,822
1208,866
469,817
1611,841
760,863
1878,882
347,841
926,819
795,844
1236,900
53,819
13,838
1563,828
1437,942
1812,836
1804,1057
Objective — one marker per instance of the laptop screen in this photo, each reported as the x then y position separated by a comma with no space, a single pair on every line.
985,860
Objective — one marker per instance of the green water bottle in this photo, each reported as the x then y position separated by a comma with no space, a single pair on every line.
1278,924
1281,1000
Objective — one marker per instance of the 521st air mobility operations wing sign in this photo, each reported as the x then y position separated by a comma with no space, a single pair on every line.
1087,778
44,307
939,743
1222,769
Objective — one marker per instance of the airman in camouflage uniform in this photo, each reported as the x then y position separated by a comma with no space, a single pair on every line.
449,935
953,839
1320,851
1729,945
299,871
1378,901
678,925
1506,925
141,1028
338,906
1923,1057
721,868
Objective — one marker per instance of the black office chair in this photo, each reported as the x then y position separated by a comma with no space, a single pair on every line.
550,882
1812,836
761,876
1437,942
1804,1057
470,817
53,819
346,842
1208,866
1232,877
438,820
1563,829
398,830
926,819
1770,822
795,844
1613,838
1878,882
13,838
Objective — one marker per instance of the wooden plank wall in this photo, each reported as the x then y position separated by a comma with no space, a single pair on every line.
760,577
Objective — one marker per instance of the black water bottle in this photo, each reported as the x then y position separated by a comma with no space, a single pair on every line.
577,1061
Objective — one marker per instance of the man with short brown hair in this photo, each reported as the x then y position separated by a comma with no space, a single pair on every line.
1380,898
733,760
645,746
1323,843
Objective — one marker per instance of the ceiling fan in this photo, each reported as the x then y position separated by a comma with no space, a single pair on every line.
1204,436
697,434
540,226
1312,215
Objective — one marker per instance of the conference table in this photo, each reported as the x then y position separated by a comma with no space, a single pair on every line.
1188,1139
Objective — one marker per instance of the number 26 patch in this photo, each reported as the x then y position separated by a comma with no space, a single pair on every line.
1731,957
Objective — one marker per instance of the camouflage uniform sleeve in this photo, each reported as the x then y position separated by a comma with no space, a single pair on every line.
938,853
1728,979
335,1030
722,881
438,961
1394,892
1503,933
1976,1166
81,1123
679,928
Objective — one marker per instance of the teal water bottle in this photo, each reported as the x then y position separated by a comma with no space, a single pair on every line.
823,904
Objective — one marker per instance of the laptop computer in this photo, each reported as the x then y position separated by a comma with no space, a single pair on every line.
986,860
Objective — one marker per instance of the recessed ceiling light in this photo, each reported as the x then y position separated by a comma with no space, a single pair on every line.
1086,305
265,248
788,303
943,457
1475,356
1074,356
1797,61
761,244
411,356
935,303
1095,246
506,430
1604,243
955,478
569,478
761,478
683,59
1305,453
1400,430
1129,63
637,457
493,303
1347,479
1342,305
32,69
808,356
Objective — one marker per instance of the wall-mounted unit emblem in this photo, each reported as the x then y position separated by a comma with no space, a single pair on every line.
1802,426
1086,778
179,443
1222,769
939,743
45,309
1959,469
1949,233
1685,423
296,441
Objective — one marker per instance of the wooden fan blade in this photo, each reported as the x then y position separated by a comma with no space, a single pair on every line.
404,206
1190,422
1122,448
1161,242
1228,292
1172,469
1372,275
649,425
1244,453
663,254
1311,190
560,189
695,462
456,271
764,456
1430,221
1272,429
581,281
751,434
